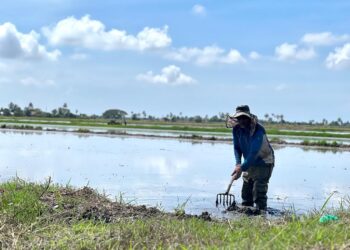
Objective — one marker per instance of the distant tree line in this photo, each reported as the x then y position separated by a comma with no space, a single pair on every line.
117,114
15,110
276,118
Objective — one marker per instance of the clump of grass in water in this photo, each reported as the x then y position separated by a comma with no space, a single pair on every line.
115,132
276,140
122,200
180,209
23,127
83,130
193,136
322,143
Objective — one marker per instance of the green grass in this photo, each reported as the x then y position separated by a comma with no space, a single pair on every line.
245,233
20,201
26,223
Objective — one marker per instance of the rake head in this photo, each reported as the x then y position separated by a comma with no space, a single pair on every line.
225,199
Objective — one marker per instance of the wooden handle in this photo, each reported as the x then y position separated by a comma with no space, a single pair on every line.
229,185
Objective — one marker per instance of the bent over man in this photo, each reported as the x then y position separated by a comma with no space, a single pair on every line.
250,141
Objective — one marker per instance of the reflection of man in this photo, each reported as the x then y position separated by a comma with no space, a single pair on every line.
249,139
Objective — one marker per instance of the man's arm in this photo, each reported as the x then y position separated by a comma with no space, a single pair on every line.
236,147
254,150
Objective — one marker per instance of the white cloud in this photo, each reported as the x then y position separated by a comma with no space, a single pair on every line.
170,75
232,57
254,55
339,58
92,34
30,81
14,44
292,52
323,38
199,10
207,55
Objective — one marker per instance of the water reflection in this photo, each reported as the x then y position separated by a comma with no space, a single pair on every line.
167,172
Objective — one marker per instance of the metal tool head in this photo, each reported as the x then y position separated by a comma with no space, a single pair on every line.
225,199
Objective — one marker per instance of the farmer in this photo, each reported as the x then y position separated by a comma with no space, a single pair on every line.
249,140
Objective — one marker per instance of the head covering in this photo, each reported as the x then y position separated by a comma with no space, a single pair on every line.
242,110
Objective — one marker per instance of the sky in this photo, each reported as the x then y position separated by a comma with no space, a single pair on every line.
193,57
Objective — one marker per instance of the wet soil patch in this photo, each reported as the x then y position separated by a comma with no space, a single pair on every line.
252,211
87,204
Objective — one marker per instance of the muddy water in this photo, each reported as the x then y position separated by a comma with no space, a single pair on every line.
167,172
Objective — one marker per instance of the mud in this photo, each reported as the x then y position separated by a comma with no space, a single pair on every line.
86,204
66,204
252,211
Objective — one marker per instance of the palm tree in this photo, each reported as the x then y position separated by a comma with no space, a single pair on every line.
266,117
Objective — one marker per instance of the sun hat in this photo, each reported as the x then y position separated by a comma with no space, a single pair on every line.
242,110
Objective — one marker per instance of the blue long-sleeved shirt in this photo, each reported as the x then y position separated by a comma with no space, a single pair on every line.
255,149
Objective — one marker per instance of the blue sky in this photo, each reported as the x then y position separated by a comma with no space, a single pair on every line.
194,57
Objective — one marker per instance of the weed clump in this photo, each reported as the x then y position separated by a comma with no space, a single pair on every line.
83,130
321,143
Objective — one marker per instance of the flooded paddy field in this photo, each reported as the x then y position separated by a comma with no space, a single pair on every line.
168,172
183,134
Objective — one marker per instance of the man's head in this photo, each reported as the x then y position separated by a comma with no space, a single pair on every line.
243,116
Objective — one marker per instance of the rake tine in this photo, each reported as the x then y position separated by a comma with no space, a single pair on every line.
224,199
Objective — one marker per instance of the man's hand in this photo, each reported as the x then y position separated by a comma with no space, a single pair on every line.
237,171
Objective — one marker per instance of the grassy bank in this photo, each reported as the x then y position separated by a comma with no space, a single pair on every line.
282,130
51,216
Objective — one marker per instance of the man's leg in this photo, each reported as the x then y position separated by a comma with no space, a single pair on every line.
260,193
260,187
247,191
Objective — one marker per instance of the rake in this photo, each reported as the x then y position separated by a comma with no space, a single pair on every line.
226,199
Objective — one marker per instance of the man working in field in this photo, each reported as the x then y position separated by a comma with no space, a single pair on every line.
249,140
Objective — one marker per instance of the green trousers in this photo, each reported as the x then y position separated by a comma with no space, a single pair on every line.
255,186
